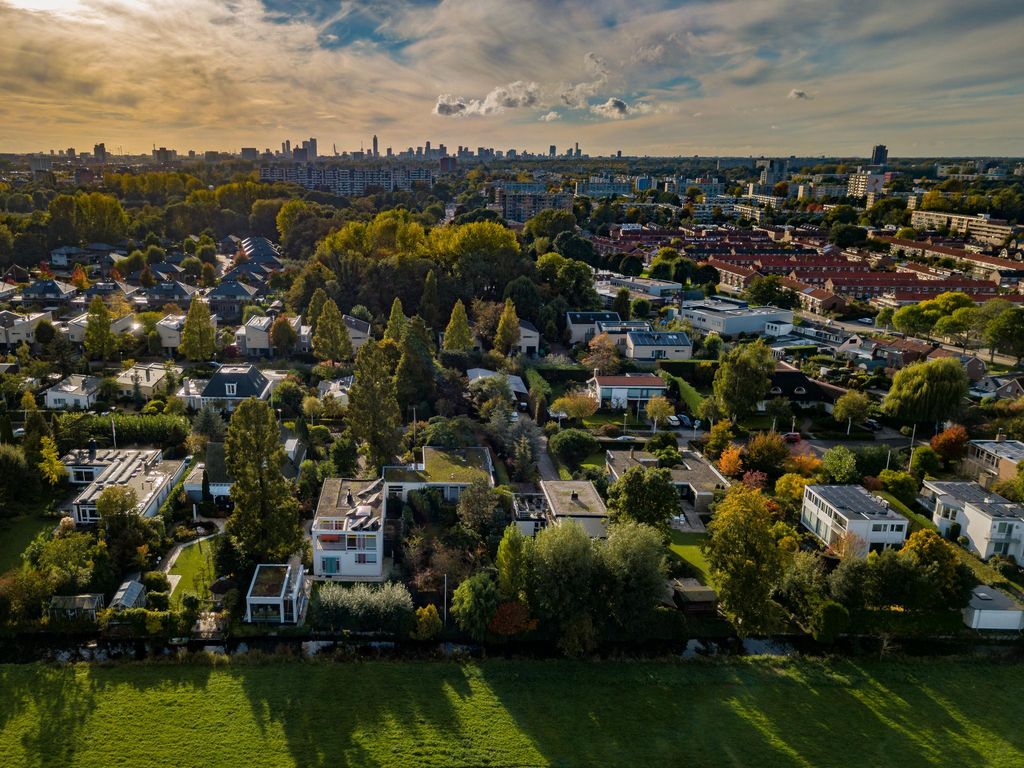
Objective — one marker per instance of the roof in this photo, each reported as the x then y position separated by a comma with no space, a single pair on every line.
985,598
647,380
77,384
249,381
527,325
88,602
573,498
515,383
589,318
232,289
269,580
356,324
854,502
1011,450
659,339
128,594
693,470
962,490
442,465
352,505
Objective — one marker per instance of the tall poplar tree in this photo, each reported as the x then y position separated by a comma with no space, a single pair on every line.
331,340
414,377
507,335
374,415
198,339
316,306
430,309
100,340
397,322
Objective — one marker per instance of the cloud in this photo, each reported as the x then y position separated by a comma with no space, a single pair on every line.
797,93
550,117
617,109
449,106
577,95
512,96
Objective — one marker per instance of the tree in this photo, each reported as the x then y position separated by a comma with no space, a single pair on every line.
283,336
840,464
78,278
315,307
945,581
479,509
209,424
902,485
766,452
127,533
930,391
414,376
602,355
209,275
264,526
769,291
719,438
828,621
745,560
198,338
507,335
644,495
100,340
1006,333
743,378
572,445
474,603
730,463
789,492
374,416
563,572
658,408
852,407
951,443
913,320
331,340
457,336
633,559
428,623
781,411
925,461
50,465
512,563
430,308
397,322
621,304
575,404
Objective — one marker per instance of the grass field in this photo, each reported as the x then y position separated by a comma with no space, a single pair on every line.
15,535
595,460
194,559
754,712
687,547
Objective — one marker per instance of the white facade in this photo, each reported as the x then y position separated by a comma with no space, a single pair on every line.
75,392
17,328
837,512
76,326
730,318
277,595
348,531
169,329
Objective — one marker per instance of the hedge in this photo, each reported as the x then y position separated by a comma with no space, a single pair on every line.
74,430
918,521
563,375
693,371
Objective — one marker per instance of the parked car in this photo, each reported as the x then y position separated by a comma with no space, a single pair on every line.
625,438
867,320
791,437
872,424
673,421
685,420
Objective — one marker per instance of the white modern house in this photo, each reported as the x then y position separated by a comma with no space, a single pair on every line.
253,338
729,317
277,595
558,502
989,461
993,525
74,392
529,340
75,327
625,391
448,470
150,377
16,328
649,346
348,530
694,477
837,512
582,326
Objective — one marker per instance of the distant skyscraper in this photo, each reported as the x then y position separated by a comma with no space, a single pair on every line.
552,150
99,151
879,155
375,152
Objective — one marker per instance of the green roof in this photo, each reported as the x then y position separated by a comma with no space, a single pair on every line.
441,466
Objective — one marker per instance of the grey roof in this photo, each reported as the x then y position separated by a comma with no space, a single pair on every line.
659,339
232,289
854,501
358,503
528,326
964,491
48,288
249,381
356,324
990,599
1011,450
578,318
171,289
128,594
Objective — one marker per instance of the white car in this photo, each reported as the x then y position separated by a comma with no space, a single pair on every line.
673,421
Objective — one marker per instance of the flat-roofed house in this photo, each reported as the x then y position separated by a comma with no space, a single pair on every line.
989,461
626,390
449,470
849,517
694,477
348,530
648,346
992,524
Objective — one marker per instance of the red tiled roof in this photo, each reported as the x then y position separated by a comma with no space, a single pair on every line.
643,380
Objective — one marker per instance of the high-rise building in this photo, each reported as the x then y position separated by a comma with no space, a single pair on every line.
310,147
552,150
375,152
99,152
250,153
879,155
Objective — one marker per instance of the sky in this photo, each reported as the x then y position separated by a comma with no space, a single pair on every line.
648,77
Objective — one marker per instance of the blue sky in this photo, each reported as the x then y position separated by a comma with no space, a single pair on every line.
926,77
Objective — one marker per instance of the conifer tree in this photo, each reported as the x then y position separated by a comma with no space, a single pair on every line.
507,335
100,340
457,336
397,322
331,340
430,309
374,416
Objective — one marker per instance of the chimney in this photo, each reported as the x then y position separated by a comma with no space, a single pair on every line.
574,496
92,449
1000,436
348,498
147,375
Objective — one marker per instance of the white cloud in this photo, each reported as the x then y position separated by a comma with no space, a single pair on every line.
617,109
550,117
512,96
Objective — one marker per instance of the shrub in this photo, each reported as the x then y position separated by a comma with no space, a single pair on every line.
573,445
74,430
902,485
829,620
363,608
428,623
157,601
156,581
925,461
610,430
766,452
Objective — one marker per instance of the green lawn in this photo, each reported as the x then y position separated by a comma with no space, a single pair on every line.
600,419
687,547
15,535
741,712
595,460
195,559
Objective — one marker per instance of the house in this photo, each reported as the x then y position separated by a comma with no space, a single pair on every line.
66,255
618,330
230,385
74,392
348,530
560,501
7,290
730,317
143,469
989,461
75,327
973,365
131,594
336,388
253,338
795,386
529,340
619,392
991,609
515,383
151,378
1006,387
230,298
169,292
229,245
169,329
693,598
278,594
358,331
448,470
48,292
899,353
694,477
582,326
992,525
219,479
72,607
16,328
834,513
648,346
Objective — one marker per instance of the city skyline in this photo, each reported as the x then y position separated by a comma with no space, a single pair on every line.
650,78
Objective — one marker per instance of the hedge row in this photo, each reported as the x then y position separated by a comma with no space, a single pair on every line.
74,430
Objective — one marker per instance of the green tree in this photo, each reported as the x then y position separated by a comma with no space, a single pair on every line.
573,445
264,526
644,495
743,378
374,416
563,573
1006,333
457,336
929,391
316,305
198,338
633,560
840,464
507,335
769,290
622,303
719,438
128,535
479,510
414,376
100,340
512,563
658,409
766,452
430,307
852,407
913,320
474,604
50,465
397,322
745,560
331,340
428,623
283,336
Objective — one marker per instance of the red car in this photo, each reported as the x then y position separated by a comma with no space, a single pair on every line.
791,437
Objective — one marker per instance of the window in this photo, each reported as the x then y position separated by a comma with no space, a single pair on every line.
230,389
366,558
877,528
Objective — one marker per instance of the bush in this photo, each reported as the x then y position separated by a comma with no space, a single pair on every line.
363,608
573,445
156,581
609,430
902,485
829,620
158,601
925,461
74,430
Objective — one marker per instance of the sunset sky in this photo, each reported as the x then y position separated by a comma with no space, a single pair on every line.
925,77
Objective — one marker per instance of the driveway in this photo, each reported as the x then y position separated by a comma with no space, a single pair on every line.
545,466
